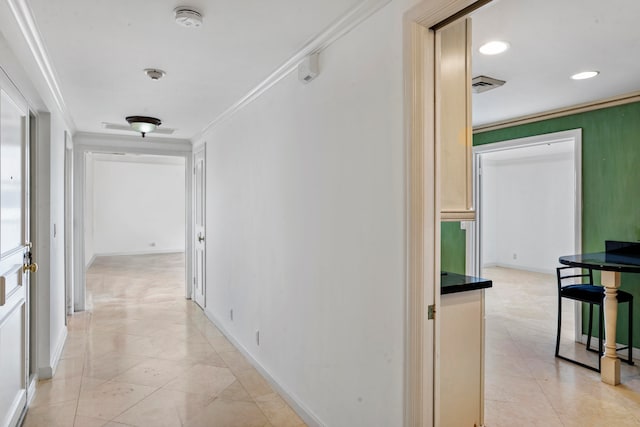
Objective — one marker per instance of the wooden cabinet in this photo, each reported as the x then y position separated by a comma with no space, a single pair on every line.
453,110
462,359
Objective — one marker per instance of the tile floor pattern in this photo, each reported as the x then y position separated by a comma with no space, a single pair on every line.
525,385
144,356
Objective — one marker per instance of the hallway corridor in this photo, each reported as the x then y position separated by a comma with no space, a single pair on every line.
144,356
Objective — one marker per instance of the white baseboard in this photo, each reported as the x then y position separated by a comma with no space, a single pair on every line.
311,419
93,258
520,267
145,252
46,372
31,390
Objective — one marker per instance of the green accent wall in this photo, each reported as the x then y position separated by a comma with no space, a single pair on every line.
610,182
452,247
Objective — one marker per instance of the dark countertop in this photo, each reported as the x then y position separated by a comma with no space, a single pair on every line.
451,283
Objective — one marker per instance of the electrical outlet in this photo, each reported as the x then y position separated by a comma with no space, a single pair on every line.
231,314
258,337
515,256
152,244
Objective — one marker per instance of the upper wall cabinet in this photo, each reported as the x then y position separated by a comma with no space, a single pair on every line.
453,109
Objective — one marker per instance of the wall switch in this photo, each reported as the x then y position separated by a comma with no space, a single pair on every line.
231,314
258,337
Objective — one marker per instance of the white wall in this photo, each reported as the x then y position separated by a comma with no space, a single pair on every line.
305,229
138,204
528,210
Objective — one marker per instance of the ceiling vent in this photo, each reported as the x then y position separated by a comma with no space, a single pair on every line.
483,83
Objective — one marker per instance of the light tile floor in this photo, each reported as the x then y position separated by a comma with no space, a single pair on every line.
144,356
525,385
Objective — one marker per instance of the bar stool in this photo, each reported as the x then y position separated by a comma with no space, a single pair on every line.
592,295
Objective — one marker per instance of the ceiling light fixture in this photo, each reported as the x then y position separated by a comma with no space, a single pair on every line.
494,47
585,75
187,17
143,124
154,74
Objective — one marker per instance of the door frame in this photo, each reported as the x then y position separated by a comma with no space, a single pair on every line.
200,148
97,143
422,337
68,223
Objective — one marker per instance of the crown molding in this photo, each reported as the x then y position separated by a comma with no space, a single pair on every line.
25,20
338,28
613,101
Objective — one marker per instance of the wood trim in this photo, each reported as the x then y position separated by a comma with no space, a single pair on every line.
458,215
423,210
561,112
415,38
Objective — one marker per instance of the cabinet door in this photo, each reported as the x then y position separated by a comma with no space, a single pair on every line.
453,109
462,359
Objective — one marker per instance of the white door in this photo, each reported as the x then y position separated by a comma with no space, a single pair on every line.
14,254
199,228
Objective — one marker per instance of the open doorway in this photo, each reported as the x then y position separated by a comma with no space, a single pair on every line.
134,208
528,202
143,188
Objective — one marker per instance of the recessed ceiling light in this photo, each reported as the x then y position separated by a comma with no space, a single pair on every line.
494,47
585,75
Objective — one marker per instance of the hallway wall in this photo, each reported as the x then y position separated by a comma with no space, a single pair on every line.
305,229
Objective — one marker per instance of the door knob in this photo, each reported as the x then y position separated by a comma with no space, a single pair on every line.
33,267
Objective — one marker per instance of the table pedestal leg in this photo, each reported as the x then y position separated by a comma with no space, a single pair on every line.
610,369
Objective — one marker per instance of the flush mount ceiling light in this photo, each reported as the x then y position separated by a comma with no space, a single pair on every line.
143,124
154,74
585,75
494,47
187,17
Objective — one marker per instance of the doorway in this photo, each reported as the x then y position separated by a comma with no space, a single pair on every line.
528,200
145,237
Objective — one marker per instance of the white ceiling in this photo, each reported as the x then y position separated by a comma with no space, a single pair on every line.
551,40
98,50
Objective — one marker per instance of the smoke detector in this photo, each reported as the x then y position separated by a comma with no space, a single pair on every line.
483,83
188,17
154,74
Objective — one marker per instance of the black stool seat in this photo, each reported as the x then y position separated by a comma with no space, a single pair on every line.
591,294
